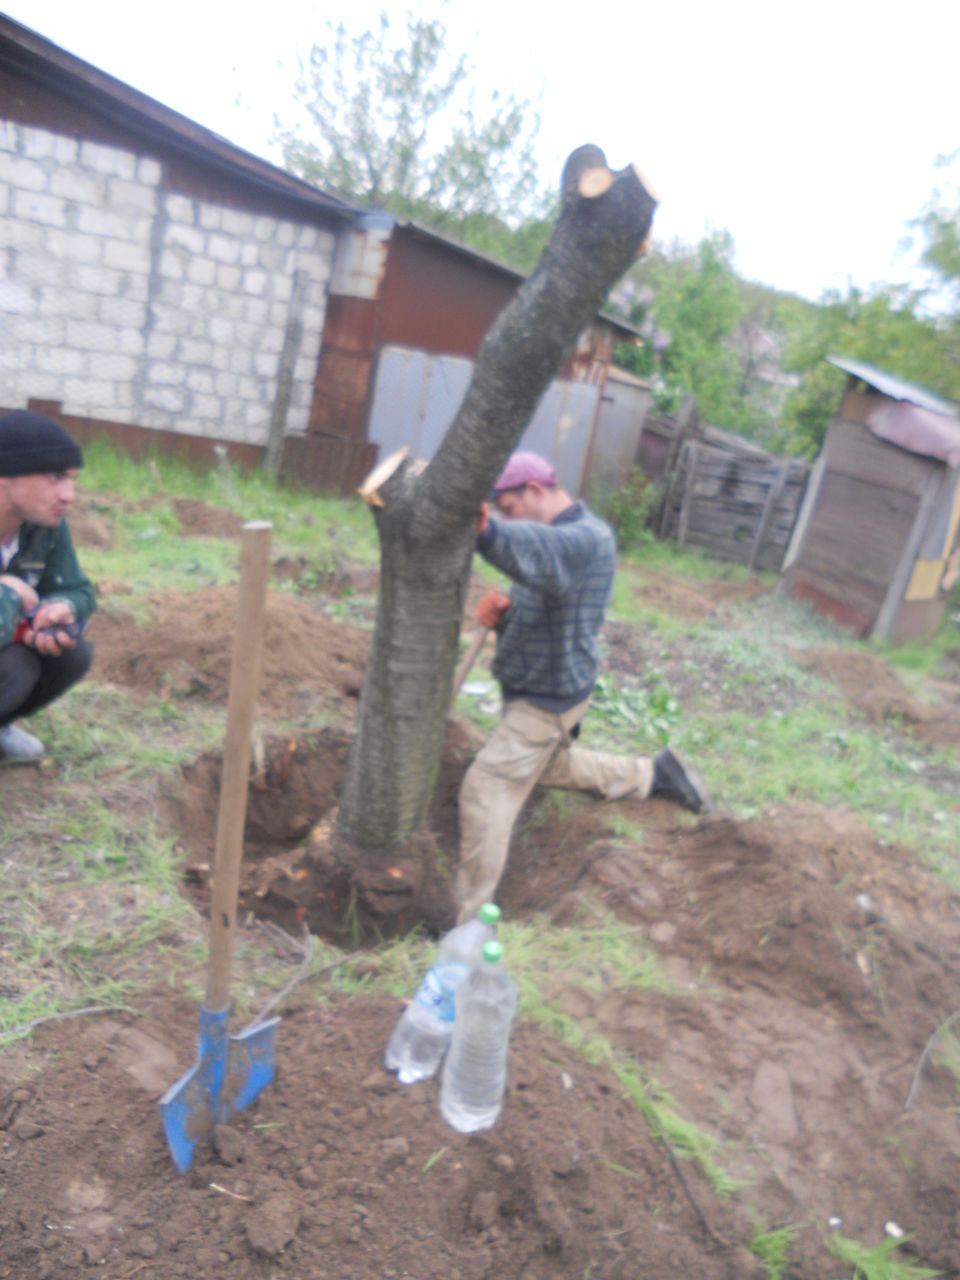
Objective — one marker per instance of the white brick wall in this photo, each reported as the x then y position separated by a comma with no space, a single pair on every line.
129,303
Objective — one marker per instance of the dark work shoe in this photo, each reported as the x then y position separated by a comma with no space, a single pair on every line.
674,779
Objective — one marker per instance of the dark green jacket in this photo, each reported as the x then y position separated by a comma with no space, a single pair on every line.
46,560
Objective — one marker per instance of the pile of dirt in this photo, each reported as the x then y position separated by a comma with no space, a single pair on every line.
808,965
868,684
90,522
199,520
818,963
654,590
338,1172
187,649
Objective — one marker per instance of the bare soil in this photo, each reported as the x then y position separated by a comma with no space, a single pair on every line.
808,966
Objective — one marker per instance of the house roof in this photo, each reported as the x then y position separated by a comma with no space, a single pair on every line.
66,76
890,385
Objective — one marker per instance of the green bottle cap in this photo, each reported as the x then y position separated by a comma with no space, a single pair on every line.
492,951
489,913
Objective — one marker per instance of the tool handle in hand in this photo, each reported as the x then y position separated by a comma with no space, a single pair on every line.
469,658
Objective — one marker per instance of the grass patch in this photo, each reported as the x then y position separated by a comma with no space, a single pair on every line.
303,520
149,562
688,562
815,754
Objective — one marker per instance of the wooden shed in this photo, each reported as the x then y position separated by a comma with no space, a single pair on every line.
874,538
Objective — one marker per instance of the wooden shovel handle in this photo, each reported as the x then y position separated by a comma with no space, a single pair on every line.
244,683
469,658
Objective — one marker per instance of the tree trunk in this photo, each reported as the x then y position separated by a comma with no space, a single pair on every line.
426,515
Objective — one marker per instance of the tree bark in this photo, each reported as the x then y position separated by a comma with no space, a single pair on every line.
426,520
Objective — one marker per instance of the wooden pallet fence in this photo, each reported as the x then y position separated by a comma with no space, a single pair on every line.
735,506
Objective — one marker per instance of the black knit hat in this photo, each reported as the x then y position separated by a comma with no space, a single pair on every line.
31,444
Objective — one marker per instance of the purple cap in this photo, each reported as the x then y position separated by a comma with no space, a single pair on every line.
520,469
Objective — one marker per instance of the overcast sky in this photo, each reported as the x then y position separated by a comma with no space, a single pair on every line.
810,131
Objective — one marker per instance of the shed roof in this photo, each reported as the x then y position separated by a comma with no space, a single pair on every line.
920,430
890,385
67,76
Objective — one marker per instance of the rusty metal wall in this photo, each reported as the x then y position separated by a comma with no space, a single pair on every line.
438,299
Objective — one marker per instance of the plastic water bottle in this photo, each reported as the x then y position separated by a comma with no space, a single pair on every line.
422,1035
475,1072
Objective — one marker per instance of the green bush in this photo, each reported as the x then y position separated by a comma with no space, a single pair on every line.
631,509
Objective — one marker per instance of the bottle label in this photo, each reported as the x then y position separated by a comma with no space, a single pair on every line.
436,990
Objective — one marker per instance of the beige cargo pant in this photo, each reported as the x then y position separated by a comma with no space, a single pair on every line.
529,746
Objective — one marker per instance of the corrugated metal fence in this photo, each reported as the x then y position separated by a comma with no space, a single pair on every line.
590,438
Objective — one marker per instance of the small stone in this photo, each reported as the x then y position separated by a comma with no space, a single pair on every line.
145,1246
394,1152
358,1119
272,1225
377,1082
228,1144
307,1177
663,932
320,1151
504,1163
25,1128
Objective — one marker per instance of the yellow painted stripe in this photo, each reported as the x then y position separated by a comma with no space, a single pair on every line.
925,579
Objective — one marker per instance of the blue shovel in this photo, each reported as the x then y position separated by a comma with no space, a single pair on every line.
230,1071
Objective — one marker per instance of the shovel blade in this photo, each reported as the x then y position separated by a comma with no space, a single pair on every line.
230,1072
250,1060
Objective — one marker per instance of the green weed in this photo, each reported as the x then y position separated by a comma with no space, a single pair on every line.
773,1247
879,1262
648,712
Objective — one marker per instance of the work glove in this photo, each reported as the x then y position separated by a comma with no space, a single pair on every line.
491,608
483,516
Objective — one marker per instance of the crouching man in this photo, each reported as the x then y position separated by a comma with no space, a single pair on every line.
45,598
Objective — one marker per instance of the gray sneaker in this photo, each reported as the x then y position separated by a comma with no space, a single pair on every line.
674,779
19,747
